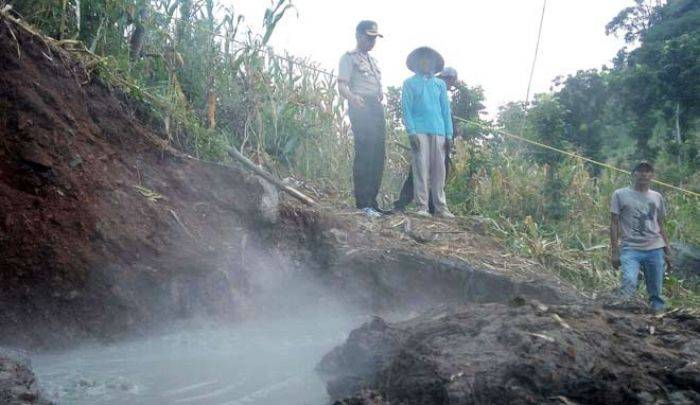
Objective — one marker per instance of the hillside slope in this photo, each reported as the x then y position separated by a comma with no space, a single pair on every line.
106,229
101,228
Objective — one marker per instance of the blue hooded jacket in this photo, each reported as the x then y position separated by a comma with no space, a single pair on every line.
426,107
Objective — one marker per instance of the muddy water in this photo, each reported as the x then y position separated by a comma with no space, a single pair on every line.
262,362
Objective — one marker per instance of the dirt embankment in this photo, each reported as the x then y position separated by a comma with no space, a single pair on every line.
101,231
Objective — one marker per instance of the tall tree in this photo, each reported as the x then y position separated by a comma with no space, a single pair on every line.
468,103
546,124
511,118
584,97
662,76
634,22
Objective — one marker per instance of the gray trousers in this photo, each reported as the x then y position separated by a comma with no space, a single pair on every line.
429,171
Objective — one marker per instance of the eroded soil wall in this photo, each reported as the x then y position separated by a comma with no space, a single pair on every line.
100,229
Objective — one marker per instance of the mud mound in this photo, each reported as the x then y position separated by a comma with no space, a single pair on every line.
526,353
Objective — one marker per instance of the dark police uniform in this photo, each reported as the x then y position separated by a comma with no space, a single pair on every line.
361,73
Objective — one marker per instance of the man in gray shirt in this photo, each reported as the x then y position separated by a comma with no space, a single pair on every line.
359,81
637,214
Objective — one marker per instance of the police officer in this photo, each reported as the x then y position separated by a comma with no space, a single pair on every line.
359,81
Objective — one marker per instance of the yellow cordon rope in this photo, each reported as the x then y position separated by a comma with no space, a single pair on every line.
570,154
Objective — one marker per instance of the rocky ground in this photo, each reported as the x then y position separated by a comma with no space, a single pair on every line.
18,385
522,353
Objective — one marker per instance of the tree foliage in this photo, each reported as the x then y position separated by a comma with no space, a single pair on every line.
633,22
647,106
658,83
468,103
584,98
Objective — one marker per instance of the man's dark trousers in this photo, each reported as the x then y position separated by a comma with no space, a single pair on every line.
406,194
369,129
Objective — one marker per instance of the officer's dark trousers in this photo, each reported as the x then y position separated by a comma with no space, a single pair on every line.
369,130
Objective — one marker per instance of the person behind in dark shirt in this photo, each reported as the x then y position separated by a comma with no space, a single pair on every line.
450,77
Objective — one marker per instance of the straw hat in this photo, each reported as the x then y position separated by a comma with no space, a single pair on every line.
423,52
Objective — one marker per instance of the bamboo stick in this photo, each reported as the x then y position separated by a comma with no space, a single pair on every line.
235,154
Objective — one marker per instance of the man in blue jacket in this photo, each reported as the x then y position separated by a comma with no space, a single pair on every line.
450,77
428,120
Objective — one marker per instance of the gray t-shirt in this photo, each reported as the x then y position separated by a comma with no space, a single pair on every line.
361,72
640,214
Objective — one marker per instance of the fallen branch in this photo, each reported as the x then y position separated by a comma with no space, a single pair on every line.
561,321
238,156
543,336
449,232
664,314
150,195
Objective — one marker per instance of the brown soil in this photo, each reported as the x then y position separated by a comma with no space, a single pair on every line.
101,230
